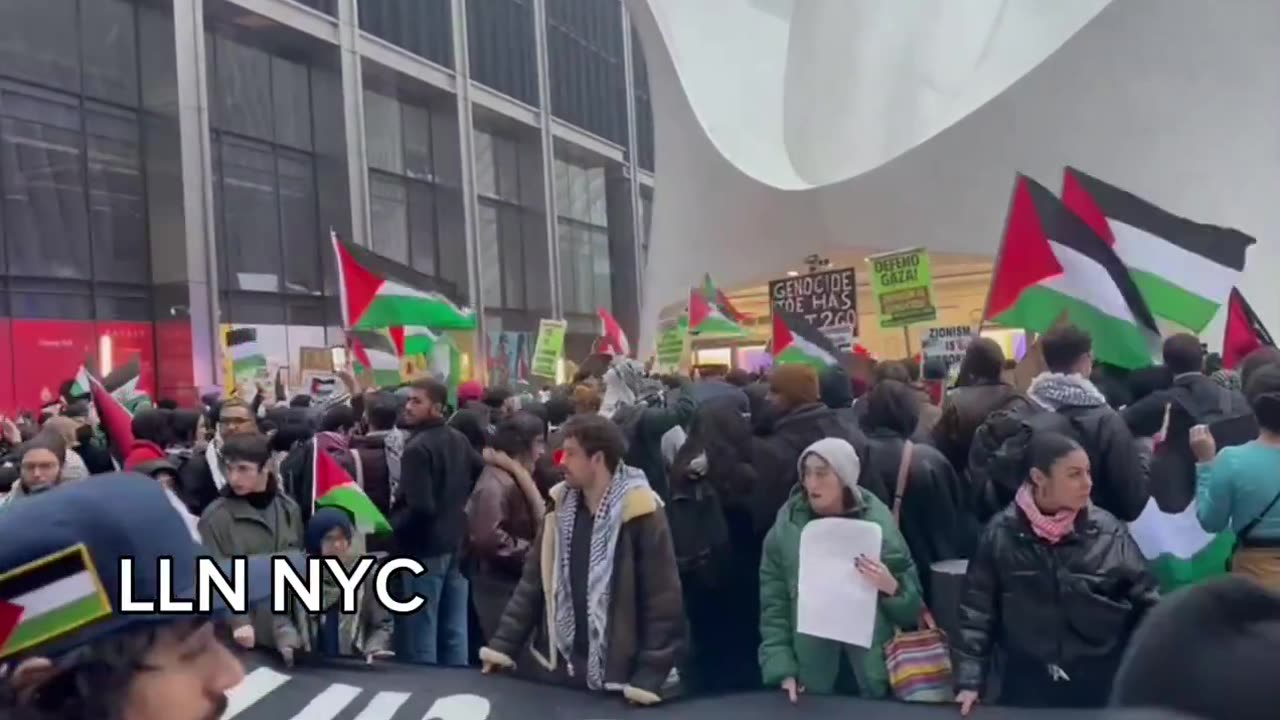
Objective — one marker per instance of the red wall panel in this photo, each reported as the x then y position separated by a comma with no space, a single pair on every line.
39,355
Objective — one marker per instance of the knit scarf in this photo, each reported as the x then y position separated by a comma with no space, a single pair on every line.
1050,528
1053,391
604,540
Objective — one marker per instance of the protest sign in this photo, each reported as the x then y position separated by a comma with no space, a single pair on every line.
549,348
833,600
828,300
948,343
673,343
903,286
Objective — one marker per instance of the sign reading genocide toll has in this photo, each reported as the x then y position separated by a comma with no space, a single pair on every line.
903,287
826,299
948,343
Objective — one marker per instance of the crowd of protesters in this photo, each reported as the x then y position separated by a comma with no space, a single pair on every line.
641,534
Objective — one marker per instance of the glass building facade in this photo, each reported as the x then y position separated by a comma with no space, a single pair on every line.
174,167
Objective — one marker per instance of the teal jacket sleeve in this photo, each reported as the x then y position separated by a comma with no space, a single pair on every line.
777,616
1213,491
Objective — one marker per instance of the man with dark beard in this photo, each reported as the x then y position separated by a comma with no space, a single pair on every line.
96,662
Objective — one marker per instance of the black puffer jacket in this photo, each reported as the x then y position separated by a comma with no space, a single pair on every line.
776,454
1057,603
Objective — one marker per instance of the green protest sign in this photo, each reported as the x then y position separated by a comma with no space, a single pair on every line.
673,336
549,349
903,287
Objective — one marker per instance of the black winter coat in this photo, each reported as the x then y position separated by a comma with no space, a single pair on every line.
1119,472
935,517
1060,603
437,473
963,411
776,454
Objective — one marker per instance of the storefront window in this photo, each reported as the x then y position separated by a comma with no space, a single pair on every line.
585,265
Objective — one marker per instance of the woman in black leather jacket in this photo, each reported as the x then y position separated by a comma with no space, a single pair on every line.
1057,584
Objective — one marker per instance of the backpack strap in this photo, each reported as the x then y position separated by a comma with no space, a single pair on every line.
904,474
358,465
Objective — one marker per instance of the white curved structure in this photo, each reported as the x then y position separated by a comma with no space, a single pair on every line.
787,127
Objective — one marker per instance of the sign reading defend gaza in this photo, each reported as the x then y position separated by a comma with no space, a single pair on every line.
827,299
903,287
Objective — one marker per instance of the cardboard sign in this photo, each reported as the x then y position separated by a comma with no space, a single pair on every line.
673,343
903,286
549,348
827,299
948,343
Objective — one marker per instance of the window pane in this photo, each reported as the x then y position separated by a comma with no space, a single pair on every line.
562,187
250,215
382,133
127,309
388,215
568,281
486,179
446,154
507,167
52,306
537,267
38,41
490,256
579,200
452,242
243,89
159,59
584,272
299,232
117,202
602,266
598,209
291,91
45,216
513,265
422,228
417,142
110,51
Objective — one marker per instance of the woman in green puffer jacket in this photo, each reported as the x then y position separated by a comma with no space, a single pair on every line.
829,471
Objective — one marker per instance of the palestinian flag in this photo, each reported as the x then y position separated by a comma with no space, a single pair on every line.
1243,333
379,293
707,320
248,362
716,296
1184,269
80,385
1178,551
612,337
114,417
796,340
333,487
376,356
1051,263
414,340
48,598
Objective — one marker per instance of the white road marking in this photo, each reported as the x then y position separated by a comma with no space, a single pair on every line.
383,706
328,703
255,686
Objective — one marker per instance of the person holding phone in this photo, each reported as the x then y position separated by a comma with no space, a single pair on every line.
1239,486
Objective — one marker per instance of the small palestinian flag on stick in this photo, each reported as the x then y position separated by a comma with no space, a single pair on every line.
335,488
796,340
707,320
248,362
48,598
1243,333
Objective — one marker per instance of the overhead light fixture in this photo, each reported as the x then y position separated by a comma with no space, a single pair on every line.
793,273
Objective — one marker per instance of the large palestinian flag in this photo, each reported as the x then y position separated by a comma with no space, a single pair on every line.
378,293
376,356
796,340
1184,269
707,320
1052,263
414,340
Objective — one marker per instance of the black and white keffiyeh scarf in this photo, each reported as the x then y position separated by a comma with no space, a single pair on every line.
604,541
1057,390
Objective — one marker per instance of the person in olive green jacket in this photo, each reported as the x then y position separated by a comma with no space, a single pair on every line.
829,471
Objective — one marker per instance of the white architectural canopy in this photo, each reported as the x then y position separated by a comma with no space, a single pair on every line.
844,127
